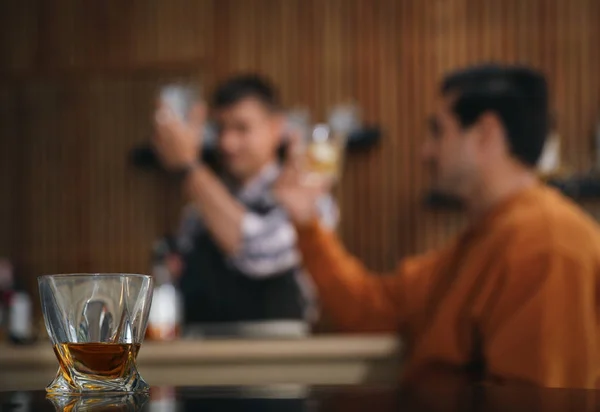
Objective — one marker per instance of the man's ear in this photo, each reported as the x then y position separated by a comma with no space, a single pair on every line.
278,125
492,131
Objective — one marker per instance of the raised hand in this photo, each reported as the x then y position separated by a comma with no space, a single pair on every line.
177,142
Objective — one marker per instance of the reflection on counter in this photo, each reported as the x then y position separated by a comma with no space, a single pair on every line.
125,402
280,397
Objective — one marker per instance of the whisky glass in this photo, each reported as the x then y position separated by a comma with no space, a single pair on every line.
324,150
96,323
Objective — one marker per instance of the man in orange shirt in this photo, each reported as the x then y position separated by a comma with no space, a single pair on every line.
513,298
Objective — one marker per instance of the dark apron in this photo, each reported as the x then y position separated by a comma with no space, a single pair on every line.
215,291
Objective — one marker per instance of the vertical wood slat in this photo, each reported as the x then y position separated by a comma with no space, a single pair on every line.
388,54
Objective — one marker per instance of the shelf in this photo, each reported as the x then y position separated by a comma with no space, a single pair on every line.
143,157
579,188
584,187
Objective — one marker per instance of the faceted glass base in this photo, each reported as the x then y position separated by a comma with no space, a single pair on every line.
80,384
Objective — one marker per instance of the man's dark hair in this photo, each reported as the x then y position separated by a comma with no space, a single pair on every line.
245,86
517,95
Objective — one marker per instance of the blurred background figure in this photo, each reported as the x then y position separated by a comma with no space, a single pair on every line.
238,247
515,288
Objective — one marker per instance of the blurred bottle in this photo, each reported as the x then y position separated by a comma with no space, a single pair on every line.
20,317
6,291
2,322
164,321
597,146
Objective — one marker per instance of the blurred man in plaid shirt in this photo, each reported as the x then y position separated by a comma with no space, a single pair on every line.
239,246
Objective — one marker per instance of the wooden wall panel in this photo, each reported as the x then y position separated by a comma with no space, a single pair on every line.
79,105
19,34
9,130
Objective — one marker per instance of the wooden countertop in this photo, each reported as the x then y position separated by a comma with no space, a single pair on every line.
331,347
330,359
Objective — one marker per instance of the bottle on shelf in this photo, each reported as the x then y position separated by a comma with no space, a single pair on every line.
2,322
6,286
164,321
20,317
20,329
597,146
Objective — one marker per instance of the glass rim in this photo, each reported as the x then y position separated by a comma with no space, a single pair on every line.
92,275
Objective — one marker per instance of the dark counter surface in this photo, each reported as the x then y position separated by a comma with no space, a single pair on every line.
319,398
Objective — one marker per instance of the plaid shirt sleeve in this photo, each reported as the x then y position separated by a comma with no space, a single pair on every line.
269,241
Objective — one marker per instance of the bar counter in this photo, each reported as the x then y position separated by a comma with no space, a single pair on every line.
329,359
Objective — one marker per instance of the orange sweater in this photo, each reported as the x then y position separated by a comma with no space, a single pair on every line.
517,291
